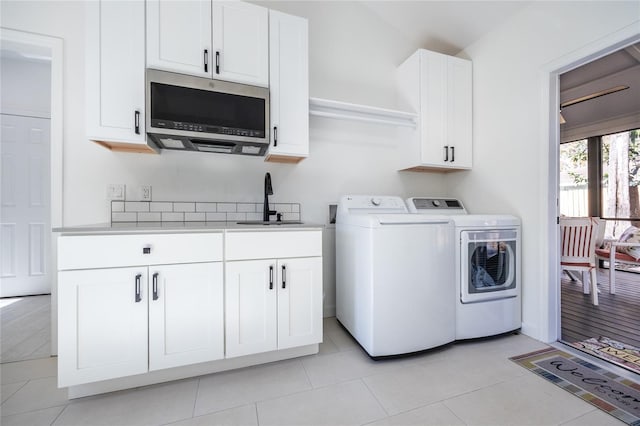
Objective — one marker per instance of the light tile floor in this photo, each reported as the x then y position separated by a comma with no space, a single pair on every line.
470,383
25,328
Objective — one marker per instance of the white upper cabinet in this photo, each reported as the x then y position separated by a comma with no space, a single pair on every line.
226,40
438,87
115,75
179,36
289,87
241,43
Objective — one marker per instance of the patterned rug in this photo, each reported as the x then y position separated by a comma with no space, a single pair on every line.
609,392
621,354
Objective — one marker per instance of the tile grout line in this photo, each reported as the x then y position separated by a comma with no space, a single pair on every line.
195,401
374,397
9,397
59,414
255,407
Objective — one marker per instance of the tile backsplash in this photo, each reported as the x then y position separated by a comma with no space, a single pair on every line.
180,211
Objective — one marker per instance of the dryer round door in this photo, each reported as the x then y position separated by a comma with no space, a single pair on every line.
488,265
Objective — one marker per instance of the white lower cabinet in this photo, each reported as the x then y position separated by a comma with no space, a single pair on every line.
124,321
250,302
185,314
102,324
272,304
137,304
299,302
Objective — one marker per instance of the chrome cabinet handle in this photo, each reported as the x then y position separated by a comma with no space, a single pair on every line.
271,277
155,286
284,276
446,153
138,290
217,62
206,60
275,136
453,157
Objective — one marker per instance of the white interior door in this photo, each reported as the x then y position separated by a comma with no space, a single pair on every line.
25,222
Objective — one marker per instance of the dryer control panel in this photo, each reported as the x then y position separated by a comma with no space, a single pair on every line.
448,206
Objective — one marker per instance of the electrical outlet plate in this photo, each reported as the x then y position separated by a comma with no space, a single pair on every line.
145,192
115,191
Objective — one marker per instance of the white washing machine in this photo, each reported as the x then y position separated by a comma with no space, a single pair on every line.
394,286
487,268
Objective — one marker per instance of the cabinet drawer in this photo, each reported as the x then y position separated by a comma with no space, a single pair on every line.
276,244
105,251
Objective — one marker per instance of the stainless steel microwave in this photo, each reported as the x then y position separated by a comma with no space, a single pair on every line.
200,114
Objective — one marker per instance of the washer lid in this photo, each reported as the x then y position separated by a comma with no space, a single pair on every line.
391,219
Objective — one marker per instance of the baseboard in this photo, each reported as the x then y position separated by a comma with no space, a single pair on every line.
170,374
329,311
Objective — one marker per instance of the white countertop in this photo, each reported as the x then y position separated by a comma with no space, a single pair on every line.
171,227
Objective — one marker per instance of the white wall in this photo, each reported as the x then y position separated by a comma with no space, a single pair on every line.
511,148
352,58
25,87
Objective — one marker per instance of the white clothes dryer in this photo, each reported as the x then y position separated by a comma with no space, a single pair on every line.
487,268
394,286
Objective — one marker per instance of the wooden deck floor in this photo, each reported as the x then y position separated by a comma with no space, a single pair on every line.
617,316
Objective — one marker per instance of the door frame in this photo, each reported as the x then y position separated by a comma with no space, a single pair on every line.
549,301
55,47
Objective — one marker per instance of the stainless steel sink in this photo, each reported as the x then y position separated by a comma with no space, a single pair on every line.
261,222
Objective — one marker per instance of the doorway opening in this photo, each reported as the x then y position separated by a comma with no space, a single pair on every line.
31,193
599,176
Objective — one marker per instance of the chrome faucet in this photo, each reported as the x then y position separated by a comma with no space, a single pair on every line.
268,190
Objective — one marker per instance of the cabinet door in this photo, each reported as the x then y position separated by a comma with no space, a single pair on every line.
299,302
179,36
289,87
241,43
102,324
250,303
459,115
433,109
185,314
115,71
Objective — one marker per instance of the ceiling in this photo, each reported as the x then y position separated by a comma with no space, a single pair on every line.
620,68
444,26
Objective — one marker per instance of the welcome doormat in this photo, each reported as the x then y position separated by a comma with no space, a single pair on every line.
609,392
619,353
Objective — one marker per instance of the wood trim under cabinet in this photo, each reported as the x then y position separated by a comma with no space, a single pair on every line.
127,147
283,159
427,169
